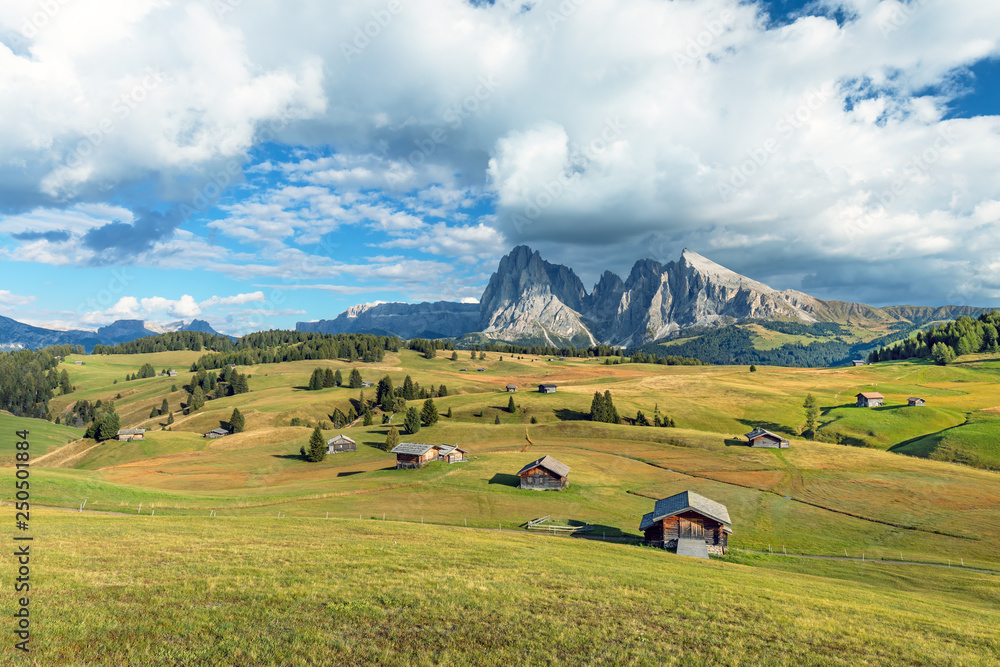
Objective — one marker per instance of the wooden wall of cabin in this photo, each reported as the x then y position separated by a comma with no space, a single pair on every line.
540,478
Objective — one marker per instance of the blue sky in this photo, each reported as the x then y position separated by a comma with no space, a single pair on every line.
254,166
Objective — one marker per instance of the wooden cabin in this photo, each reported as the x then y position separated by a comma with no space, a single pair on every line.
511,388
128,434
414,455
688,523
915,402
870,399
451,454
340,443
761,438
545,474
546,389
859,362
172,373
217,433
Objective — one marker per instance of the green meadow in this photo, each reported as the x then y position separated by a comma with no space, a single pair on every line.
239,551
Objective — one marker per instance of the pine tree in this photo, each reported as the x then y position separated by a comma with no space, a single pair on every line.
429,413
316,381
338,418
598,411
196,400
236,421
354,382
454,356
351,415
329,379
640,419
812,412
510,405
497,419
170,418
392,439
442,390
154,413
164,407
338,379
368,417
412,421
64,384
240,385
317,446
449,413
609,405
409,393
753,369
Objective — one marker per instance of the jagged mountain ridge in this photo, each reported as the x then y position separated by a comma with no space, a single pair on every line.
531,301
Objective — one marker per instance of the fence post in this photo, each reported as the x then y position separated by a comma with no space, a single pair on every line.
327,515
153,513
140,509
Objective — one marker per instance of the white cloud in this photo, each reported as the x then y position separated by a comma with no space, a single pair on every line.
9,301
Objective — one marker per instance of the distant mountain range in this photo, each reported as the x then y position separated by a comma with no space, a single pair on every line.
531,301
16,335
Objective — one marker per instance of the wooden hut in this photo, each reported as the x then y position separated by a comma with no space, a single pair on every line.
451,454
915,402
761,438
127,434
414,455
546,389
340,443
859,362
688,523
217,433
511,388
544,474
870,399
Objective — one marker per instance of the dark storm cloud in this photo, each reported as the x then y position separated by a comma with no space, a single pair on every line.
122,238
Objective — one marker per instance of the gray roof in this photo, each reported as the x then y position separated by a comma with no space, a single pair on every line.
220,430
548,463
132,431
414,448
339,438
757,432
448,449
682,502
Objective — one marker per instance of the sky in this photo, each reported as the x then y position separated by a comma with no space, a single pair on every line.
256,163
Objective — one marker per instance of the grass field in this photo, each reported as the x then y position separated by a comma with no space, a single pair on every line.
816,498
192,590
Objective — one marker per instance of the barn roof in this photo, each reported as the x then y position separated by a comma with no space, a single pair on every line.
549,464
448,449
132,431
682,502
870,394
414,448
220,431
340,438
914,398
757,432
542,386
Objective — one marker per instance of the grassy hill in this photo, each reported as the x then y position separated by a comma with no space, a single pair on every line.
349,592
449,571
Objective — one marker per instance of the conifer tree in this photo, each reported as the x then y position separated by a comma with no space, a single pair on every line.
236,421
510,405
812,412
392,439
497,419
354,382
429,413
338,379
412,421
164,407
317,446
449,413
154,413
368,419
329,379
316,381
196,400
454,356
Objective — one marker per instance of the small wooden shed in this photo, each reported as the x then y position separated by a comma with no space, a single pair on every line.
870,399
128,434
451,454
545,474
217,433
340,443
414,455
761,438
546,389
511,388
859,362
688,523
915,402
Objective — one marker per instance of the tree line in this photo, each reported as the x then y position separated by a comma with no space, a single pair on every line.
30,378
944,342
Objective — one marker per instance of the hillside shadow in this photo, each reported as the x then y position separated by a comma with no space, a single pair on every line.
599,531
735,442
290,457
348,473
773,427
567,415
505,479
